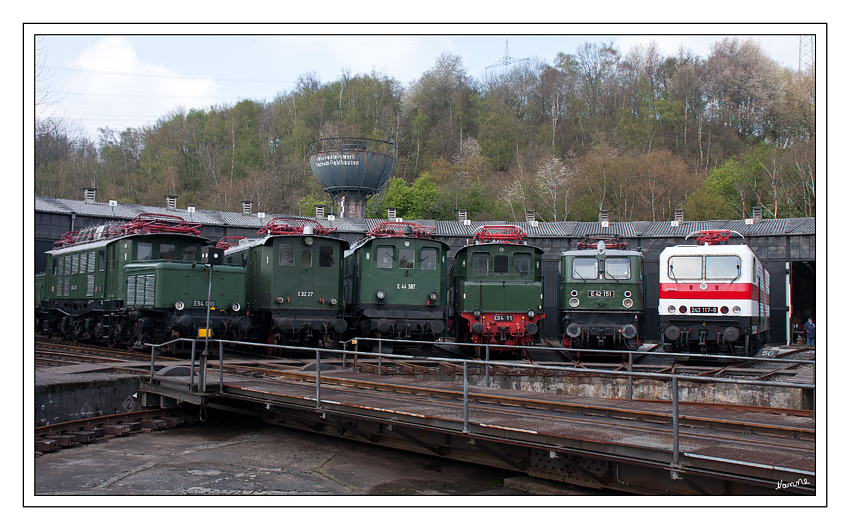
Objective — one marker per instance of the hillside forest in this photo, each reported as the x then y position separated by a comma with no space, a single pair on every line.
638,134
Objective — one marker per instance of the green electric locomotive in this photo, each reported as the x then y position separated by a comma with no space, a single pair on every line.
601,295
395,283
139,282
294,285
497,289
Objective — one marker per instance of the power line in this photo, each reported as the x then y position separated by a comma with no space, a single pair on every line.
162,76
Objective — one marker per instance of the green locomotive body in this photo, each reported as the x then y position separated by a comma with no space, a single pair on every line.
601,300
294,284
395,283
139,282
497,289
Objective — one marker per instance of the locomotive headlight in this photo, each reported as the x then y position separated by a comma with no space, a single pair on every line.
573,302
573,293
476,313
433,296
627,303
736,309
308,241
380,294
178,305
333,301
235,306
530,313
627,294
671,309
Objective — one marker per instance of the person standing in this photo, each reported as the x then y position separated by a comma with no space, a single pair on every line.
810,332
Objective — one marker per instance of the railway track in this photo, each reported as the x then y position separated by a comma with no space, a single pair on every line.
61,353
48,353
51,438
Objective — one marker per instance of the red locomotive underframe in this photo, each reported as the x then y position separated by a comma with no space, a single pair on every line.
513,331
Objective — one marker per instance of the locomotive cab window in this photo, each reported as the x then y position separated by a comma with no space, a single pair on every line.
585,268
684,268
722,267
385,257
286,255
167,251
500,264
618,269
144,251
306,258
522,263
190,253
428,261
480,263
406,258
326,257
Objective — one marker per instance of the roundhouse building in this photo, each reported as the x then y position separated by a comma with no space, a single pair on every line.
785,246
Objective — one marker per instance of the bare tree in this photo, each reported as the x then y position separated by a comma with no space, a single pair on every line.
552,186
45,95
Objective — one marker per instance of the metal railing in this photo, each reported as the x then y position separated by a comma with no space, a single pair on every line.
674,379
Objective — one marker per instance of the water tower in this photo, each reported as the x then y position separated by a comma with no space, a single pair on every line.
351,170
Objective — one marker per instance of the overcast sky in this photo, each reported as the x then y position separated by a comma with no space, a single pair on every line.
131,75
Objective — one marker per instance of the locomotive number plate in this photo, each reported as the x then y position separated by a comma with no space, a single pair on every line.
600,294
202,303
703,310
503,318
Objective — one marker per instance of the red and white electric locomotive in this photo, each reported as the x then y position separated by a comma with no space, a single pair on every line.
713,296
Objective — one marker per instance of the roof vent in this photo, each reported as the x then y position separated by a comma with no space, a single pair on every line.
246,207
603,216
320,211
757,213
89,195
461,215
391,214
529,216
679,214
171,202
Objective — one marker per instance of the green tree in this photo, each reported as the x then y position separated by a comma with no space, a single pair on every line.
499,135
411,202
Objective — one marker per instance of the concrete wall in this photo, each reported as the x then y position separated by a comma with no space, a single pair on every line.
68,397
608,387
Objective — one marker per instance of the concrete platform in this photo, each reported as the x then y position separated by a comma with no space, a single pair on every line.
242,457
